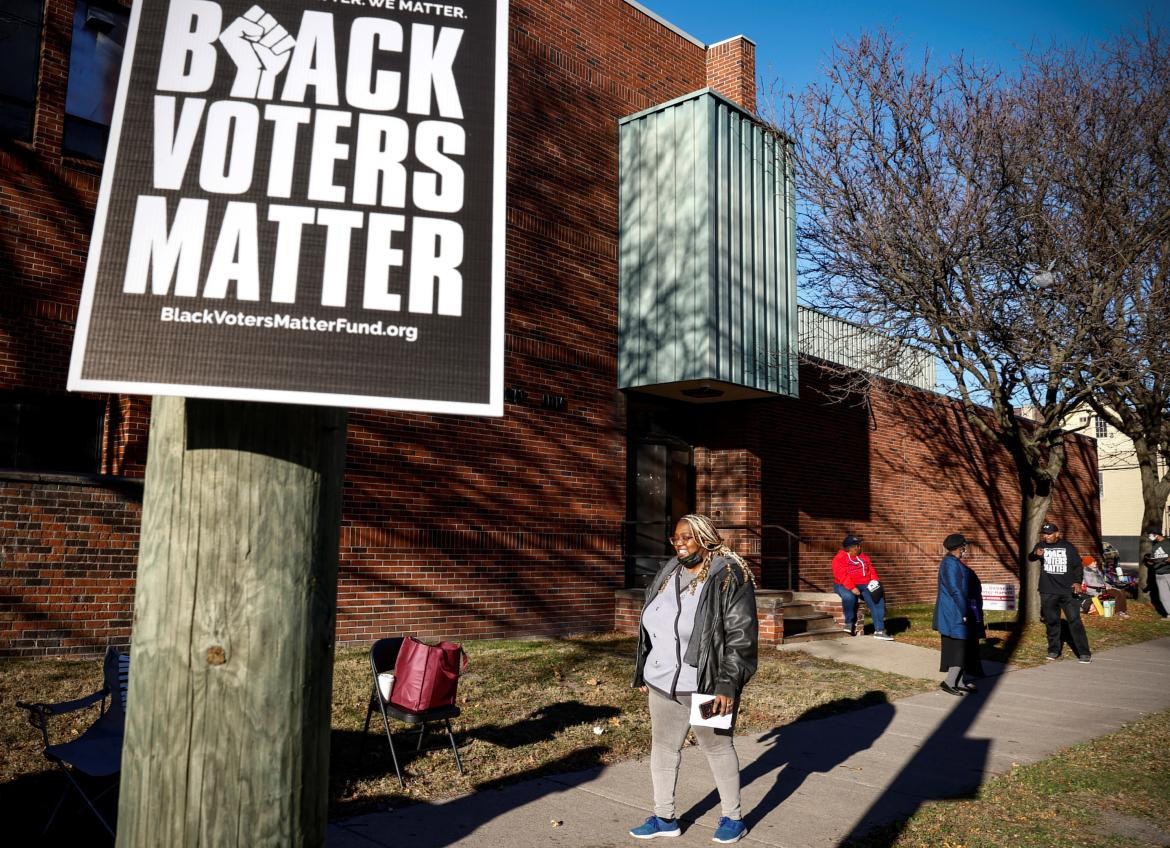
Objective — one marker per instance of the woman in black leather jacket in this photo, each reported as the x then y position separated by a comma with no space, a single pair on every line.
699,634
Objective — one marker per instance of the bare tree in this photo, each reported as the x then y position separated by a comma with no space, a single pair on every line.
1107,129
930,213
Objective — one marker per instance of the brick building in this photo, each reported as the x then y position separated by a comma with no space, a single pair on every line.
460,527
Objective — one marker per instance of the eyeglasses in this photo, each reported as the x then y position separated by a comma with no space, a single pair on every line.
674,540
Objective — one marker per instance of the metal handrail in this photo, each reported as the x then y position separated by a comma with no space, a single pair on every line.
793,540
781,528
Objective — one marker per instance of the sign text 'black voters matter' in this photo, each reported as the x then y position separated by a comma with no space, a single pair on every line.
303,202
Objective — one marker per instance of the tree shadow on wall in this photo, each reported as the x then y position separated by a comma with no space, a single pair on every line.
35,312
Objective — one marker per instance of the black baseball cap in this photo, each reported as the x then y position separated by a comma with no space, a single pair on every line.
1048,527
850,541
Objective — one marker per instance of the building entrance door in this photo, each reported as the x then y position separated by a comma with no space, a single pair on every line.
661,481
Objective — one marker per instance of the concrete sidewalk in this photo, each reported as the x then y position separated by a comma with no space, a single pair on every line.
815,782
895,657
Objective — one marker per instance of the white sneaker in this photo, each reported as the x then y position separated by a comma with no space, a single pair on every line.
883,635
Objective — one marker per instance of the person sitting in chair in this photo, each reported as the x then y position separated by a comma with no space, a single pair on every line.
854,579
1096,586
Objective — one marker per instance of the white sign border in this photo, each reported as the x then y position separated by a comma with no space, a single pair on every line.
495,404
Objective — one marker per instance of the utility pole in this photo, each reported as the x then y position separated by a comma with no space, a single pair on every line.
227,736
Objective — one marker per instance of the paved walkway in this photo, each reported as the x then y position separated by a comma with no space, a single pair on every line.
897,657
813,783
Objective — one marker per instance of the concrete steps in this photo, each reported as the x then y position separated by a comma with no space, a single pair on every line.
814,636
803,623
795,617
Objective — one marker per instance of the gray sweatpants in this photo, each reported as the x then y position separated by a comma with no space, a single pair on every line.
670,719
1163,583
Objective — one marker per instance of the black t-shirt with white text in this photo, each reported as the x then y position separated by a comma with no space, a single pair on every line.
1061,568
1159,557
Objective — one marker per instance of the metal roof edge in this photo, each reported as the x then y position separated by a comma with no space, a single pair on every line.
693,95
750,41
666,23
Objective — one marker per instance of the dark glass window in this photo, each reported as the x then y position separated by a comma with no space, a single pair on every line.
50,432
99,35
1102,427
20,48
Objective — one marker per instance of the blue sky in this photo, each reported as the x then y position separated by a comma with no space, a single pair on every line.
792,39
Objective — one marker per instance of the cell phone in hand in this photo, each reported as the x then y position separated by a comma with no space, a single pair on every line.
707,708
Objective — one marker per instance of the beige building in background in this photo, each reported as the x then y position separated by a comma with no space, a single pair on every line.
1119,483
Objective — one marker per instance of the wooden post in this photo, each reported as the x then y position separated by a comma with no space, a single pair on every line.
227,735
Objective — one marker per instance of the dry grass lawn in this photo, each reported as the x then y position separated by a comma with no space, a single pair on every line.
911,623
529,708
1113,792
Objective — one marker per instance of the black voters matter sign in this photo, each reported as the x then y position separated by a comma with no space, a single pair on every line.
303,202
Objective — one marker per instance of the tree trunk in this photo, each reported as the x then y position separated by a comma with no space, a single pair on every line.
1035,508
227,735
1036,484
1154,494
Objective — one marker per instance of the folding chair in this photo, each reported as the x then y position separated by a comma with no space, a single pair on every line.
383,656
97,753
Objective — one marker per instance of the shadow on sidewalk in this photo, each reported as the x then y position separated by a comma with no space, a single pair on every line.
863,721
949,766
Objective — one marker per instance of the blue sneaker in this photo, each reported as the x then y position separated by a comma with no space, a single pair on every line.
729,830
655,826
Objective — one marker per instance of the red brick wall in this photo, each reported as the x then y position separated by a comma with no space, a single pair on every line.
451,526
68,551
731,70
628,610
490,527
46,212
497,527
727,488
902,471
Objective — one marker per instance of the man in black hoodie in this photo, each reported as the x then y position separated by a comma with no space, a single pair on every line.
1061,580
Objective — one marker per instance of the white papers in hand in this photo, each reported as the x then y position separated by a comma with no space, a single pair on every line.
721,721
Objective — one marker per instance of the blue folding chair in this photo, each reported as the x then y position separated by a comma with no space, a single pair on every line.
97,753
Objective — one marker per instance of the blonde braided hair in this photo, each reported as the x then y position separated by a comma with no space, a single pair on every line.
712,545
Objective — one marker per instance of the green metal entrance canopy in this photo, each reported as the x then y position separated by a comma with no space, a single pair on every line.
707,297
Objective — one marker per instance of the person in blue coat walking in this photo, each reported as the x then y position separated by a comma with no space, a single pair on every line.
958,617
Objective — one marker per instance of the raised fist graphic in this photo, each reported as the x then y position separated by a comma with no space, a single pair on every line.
261,48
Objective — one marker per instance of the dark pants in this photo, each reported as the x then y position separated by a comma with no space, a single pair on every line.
849,601
963,653
1050,609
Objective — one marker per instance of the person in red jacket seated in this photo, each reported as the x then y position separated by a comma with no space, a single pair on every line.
854,579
